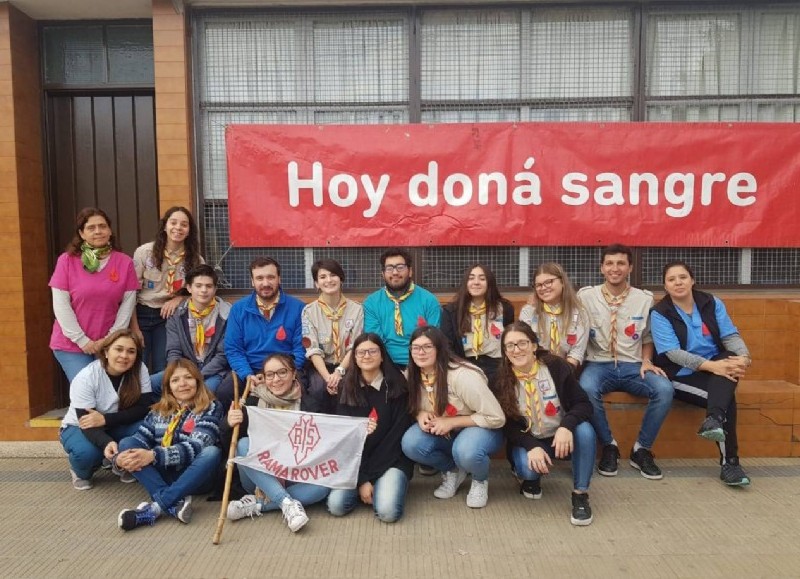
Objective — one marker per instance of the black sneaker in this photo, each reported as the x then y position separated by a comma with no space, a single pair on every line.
733,475
142,515
581,511
608,460
711,429
642,460
531,489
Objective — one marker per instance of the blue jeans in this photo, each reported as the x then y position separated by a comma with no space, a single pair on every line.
156,379
72,362
251,478
469,449
168,485
154,330
388,497
84,456
584,446
600,378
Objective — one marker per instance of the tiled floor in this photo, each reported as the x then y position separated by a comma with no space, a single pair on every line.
686,525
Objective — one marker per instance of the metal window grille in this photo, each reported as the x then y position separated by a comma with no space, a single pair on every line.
484,64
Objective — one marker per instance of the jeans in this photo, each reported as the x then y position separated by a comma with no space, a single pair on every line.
585,443
251,478
72,362
212,382
316,398
168,485
469,449
84,456
154,330
600,378
388,497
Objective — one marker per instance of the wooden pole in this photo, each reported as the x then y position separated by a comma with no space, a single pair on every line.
223,510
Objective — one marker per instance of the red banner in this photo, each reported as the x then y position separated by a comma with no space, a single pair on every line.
646,184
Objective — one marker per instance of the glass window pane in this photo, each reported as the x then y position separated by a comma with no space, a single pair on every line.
580,53
775,62
74,55
582,114
130,54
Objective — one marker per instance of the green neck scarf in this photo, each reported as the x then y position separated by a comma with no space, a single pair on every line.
91,256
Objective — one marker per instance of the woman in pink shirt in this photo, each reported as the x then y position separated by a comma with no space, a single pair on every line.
94,292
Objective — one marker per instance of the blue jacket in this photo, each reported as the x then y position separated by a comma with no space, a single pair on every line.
250,338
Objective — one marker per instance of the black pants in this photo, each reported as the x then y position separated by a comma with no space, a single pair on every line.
717,395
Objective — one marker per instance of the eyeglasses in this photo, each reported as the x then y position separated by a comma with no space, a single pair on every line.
367,352
521,345
422,348
399,268
548,283
282,373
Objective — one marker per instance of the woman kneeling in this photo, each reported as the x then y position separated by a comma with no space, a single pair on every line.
547,414
174,452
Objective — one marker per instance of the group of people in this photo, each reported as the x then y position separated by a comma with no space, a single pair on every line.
153,356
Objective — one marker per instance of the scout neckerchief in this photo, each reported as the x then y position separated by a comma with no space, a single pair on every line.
477,313
555,339
91,256
532,401
200,330
166,440
398,319
267,399
267,309
428,382
614,303
334,316
173,263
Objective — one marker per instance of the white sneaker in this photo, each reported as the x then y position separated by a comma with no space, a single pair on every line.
478,494
294,513
79,484
450,482
247,506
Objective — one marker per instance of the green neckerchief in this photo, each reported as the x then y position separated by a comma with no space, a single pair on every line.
91,256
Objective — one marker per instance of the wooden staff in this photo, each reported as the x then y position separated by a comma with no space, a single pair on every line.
223,510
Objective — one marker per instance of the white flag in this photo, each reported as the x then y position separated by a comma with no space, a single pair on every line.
305,447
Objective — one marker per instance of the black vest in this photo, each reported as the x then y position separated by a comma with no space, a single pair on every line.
707,308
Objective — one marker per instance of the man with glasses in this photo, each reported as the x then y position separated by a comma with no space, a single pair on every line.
265,322
396,310
619,357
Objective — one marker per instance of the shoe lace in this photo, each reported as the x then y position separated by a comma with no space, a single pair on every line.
145,516
250,507
291,511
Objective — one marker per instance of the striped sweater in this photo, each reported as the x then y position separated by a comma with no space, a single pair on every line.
194,433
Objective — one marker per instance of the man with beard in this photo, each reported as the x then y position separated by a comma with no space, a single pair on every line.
265,322
396,310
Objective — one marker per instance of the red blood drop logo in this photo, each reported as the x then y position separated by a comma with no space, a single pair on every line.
706,331
188,426
373,414
450,410
421,321
495,331
550,409
630,330
281,334
572,339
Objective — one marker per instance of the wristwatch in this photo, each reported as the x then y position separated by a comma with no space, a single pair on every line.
341,371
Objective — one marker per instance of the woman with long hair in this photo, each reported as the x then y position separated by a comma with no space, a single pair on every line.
280,390
374,388
703,354
330,324
458,418
475,318
173,454
547,417
107,401
161,266
556,315
94,292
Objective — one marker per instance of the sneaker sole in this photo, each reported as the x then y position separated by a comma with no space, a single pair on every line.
295,528
531,496
476,506
716,435
742,483
581,522
83,487
644,474
607,472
